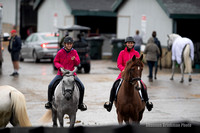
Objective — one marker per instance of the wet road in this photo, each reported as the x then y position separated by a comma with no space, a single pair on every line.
172,100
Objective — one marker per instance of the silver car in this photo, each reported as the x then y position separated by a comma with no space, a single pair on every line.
39,46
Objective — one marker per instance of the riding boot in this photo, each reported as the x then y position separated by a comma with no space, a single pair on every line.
81,105
149,105
48,105
51,89
108,105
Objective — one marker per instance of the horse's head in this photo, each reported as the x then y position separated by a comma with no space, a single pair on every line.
170,41
68,82
133,70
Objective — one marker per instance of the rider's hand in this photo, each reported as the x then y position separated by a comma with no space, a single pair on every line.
73,57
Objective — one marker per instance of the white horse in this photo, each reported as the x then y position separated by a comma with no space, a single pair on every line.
65,101
182,53
13,107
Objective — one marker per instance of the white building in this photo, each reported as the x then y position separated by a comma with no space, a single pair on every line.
143,15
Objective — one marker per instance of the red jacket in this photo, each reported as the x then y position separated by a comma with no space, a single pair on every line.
123,57
63,59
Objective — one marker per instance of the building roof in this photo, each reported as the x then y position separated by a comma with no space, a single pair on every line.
91,7
181,8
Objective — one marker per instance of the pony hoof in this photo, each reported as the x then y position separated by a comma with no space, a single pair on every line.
190,79
171,78
181,81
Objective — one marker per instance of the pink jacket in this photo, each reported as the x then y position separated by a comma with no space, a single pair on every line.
123,57
63,59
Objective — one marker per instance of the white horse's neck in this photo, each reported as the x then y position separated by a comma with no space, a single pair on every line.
174,37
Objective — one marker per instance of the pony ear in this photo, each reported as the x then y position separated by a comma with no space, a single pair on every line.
62,70
75,69
133,58
141,57
168,36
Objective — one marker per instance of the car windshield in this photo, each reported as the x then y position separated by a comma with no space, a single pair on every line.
49,37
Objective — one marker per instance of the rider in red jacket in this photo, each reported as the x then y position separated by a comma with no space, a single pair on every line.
66,58
124,56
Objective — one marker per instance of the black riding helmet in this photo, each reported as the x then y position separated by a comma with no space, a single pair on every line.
129,39
68,39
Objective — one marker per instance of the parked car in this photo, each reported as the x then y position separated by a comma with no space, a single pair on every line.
39,46
80,46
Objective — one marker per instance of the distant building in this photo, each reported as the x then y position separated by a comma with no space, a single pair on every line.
163,16
96,14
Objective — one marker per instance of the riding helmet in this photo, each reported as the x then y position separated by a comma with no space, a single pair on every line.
129,39
68,39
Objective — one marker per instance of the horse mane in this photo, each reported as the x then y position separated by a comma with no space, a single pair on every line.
19,107
173,36
129,64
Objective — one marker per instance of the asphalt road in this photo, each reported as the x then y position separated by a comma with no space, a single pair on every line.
173,101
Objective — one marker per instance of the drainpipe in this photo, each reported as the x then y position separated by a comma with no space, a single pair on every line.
16,14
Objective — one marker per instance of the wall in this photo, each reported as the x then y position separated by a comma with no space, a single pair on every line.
9,14
130,15
47,22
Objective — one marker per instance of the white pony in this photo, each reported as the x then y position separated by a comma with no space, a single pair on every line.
13,107
65,101
182,53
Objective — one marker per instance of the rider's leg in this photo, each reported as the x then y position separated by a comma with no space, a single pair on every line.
81,87
149,105
156,69
51,89
108,105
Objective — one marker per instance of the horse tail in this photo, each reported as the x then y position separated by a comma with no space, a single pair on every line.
47,117
187,59
18,103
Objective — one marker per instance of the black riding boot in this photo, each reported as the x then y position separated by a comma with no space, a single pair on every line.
81,105
149,105
51,89
108,105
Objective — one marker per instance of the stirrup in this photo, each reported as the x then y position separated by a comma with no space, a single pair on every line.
149,105
82,107
108,106
48,105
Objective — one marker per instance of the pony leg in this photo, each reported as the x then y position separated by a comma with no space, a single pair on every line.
190,77
72,120
182,72
54,118
188,62
120,118
173,66
60,118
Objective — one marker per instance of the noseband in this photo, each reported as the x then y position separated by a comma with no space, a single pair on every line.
131,81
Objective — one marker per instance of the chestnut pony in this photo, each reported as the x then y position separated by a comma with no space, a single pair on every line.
129,105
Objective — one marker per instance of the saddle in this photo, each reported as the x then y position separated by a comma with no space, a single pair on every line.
140,91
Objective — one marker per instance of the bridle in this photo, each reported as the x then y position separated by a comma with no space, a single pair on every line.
132,79
70,91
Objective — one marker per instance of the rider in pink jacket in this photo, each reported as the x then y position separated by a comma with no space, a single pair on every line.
63,60
66,58
124,56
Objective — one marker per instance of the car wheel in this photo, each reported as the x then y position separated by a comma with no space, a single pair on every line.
20,57
87,68
35,57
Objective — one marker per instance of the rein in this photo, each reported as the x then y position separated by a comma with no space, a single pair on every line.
70,91
132,80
